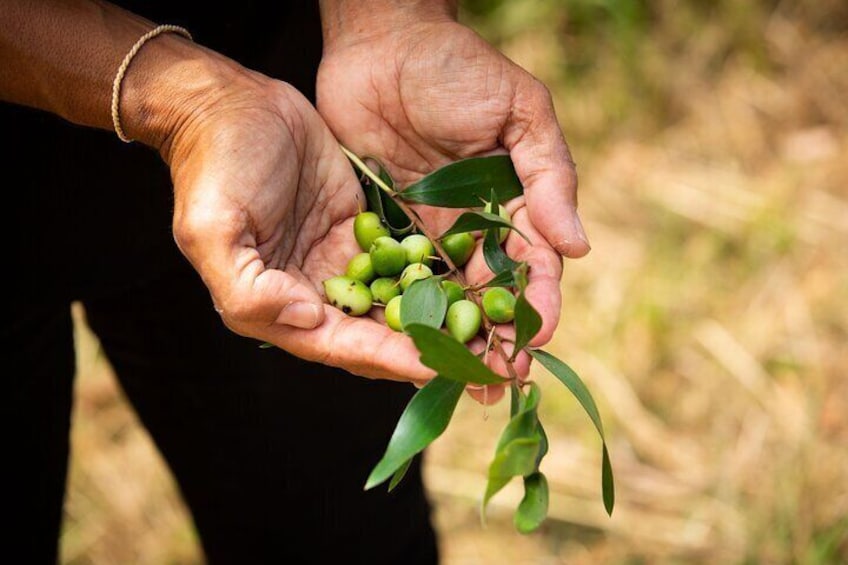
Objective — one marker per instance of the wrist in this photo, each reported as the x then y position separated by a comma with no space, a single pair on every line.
170,82
349,22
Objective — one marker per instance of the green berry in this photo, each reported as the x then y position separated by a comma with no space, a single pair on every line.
384,289
388,256
499,305
463,320
367,227
393,314
418,249
503,232
360,268
348,295
412,273
453,290
459,247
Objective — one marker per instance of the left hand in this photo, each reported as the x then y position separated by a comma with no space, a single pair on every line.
424,94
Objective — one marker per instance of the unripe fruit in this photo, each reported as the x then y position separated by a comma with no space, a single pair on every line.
453,290
418,249
349,295
459,247
384,289
393,314
367,227
502,232
387,256
463,320
412,273
499,305
360,268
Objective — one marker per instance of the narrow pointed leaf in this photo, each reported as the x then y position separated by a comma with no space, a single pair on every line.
399,474
382,204
448,357
496,258
504,279
543,444
466,183
570,379
518,447
515,397
520,275
528,322
266,345
424,302
475,220
423,420
533,508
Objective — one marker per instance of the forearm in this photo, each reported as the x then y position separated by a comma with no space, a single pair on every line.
350,21
62,57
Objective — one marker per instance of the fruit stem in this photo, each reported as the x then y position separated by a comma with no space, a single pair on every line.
366,170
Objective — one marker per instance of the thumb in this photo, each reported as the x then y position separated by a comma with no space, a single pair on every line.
546,170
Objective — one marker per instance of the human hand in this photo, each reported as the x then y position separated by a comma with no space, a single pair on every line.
428,92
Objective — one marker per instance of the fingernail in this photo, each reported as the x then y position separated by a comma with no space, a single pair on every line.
300,315
581,232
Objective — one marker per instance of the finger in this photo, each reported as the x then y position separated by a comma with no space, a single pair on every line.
217,240
544,164
359,345
544,276
485,394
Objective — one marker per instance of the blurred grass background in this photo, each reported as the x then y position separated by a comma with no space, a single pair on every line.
709,321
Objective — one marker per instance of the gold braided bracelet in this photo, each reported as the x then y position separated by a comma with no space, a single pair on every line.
119,77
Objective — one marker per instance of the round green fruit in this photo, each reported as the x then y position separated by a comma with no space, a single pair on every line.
499,305
412,273
367,227
384,289
388,256
393,314
360,268
418,249
463,320
348,295
502,232
459,247
453,290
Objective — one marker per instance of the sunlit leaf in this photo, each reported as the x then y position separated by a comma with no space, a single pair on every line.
501,279
423,420
475,220
448,357
424,302
466,183
266,345
573,382
533,508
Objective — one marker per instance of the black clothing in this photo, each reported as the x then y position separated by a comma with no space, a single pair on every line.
269,451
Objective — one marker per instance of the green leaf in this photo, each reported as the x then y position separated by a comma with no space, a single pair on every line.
528,322
399,474
520,275
543,445
501,279
533,508
497,260
448,357
266,345
573,382
424,302
518,447
515,399
423,420
382,204
466,183
475,220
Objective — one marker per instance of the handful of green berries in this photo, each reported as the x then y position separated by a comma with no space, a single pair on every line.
417,278
387,267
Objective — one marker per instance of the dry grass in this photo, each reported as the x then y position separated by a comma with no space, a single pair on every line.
710,319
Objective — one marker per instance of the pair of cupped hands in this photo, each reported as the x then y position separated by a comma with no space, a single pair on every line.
265,199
